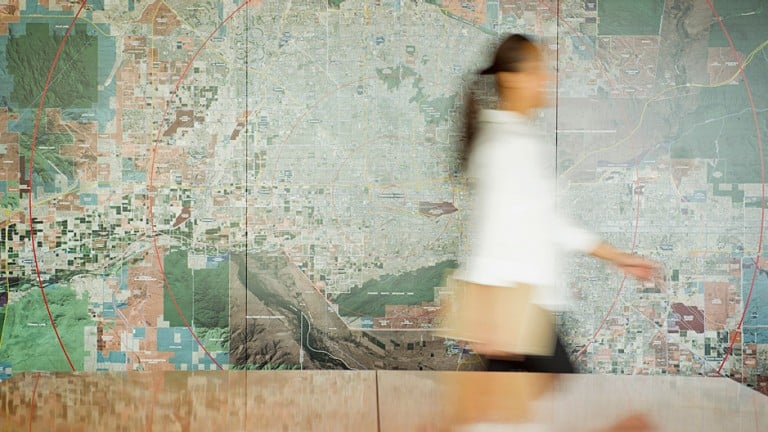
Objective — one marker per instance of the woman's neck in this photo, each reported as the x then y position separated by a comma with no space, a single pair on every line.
517,105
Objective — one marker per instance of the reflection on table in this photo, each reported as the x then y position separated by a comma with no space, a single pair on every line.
369,401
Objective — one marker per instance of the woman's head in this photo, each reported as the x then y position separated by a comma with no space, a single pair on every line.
521,74
510,54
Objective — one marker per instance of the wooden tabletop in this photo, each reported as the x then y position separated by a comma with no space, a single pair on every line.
369,401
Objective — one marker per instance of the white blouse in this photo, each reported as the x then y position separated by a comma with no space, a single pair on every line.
516,236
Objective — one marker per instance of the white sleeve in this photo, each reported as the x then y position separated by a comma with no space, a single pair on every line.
573,237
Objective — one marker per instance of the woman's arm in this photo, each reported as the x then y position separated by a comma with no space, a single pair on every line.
633,265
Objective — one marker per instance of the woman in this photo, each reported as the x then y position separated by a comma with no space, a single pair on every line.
516,235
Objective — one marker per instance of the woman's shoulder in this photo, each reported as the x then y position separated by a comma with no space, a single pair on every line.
503,127
508,123
501,116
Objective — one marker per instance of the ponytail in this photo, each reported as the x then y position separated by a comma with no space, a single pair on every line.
470,128
479,93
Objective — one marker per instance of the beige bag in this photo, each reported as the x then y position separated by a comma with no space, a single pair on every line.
498,319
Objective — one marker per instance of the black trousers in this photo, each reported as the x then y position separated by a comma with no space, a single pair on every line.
558,362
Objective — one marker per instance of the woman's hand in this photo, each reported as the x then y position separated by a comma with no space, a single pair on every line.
639,267
636,266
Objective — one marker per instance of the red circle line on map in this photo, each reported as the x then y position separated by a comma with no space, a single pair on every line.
762,177
150,192
762,169
30,189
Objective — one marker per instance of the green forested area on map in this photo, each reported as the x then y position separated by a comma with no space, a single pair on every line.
723,123
421,282
10,201
210,288
629,17
29,342
48,159
745,22
30,56
215,338
394,76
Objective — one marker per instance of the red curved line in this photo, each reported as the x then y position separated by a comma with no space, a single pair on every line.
762,216
32,402
152,175
631,140
31,172
762,176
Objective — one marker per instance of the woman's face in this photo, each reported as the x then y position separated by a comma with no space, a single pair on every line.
534,78
530,81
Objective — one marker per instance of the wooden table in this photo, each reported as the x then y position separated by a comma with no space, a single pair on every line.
367,401
571,403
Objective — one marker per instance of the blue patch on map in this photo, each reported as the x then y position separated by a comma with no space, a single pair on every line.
119,357
175,339
89,199
755,329
213,262
5,371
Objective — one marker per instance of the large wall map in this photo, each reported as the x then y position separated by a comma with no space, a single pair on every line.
272,184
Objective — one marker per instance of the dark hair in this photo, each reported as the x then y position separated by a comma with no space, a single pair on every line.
510,53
